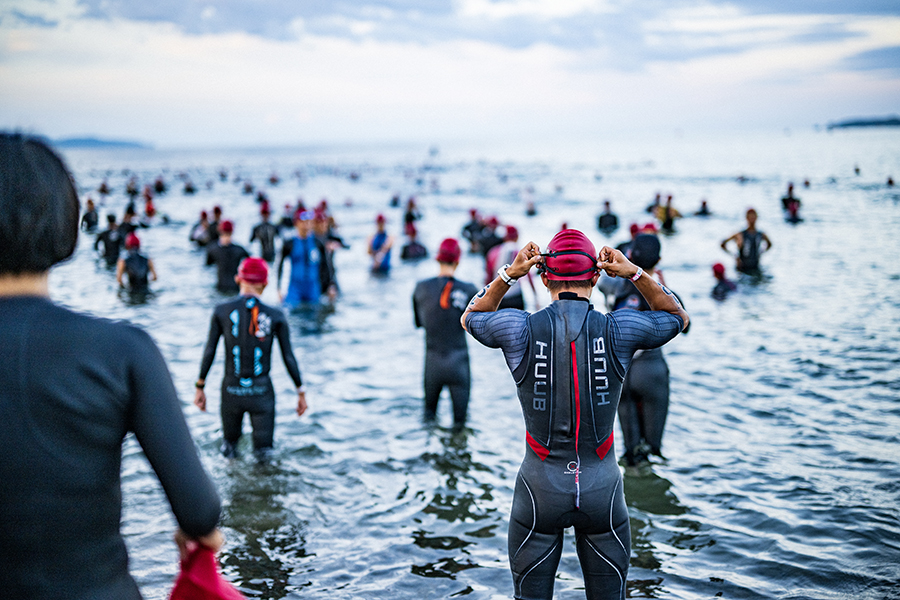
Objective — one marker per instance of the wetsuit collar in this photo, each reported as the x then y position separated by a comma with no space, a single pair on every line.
572,296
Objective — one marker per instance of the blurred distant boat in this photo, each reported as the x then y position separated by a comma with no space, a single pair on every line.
891,121
91,142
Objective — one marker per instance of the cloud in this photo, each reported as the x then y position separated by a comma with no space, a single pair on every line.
18,17
624,34
819,7
224,71
877,59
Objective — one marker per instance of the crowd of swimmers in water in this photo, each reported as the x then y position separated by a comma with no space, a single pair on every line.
308,237
116,378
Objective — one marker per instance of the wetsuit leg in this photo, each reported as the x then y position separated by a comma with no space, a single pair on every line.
604,550
651,384
629,418
459,394
534,548
232,412
451,370
262,419
433,385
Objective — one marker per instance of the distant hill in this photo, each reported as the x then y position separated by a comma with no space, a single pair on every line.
890,121
91,142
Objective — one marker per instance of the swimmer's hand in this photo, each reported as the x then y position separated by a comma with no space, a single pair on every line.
301,403
186,544
615,264
527,257
200,399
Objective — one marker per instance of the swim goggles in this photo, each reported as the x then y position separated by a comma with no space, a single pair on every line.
545,268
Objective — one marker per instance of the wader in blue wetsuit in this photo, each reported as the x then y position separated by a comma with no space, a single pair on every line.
378,240
307,266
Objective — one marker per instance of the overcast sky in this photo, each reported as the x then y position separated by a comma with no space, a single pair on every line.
282,72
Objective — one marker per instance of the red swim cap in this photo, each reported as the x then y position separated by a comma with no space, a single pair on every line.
511,235
380,219
570,256
226,227
718,270
132,242
254,271
449,251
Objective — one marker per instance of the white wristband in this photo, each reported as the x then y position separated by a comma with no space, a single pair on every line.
505,276
637,275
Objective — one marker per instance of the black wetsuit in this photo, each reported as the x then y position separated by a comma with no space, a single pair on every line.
249,328
73,387
112,240
137,269
413,251
266,233
749,252
607,223
89,221
568,363
644,405
438,303
227,259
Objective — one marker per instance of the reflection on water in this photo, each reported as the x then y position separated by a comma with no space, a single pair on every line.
267,558
781,442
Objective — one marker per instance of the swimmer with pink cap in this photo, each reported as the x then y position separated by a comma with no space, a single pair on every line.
569,363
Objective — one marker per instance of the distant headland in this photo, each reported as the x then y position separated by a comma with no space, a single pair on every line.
92,142
889,121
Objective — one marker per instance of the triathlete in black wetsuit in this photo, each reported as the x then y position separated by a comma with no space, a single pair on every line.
249,328
266,233
73,387
136,267
90,219
569,362
112,239
437,305
749,243
644,402
226,256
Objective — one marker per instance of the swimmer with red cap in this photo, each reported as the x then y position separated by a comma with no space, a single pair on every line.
569,362
227,256
438,303
250,328
380,245
135,266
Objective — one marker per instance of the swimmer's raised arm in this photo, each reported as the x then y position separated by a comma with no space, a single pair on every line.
657,295
489,298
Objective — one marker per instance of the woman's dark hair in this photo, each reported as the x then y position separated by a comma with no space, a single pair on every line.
38,206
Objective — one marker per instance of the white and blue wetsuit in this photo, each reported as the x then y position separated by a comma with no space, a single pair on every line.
568,362
249,328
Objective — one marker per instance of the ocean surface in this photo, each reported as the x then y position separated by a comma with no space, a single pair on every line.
782,469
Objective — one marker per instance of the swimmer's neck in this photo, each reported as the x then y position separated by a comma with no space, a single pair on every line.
446,270
25,284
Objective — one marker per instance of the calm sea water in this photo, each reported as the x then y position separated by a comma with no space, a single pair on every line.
782,476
